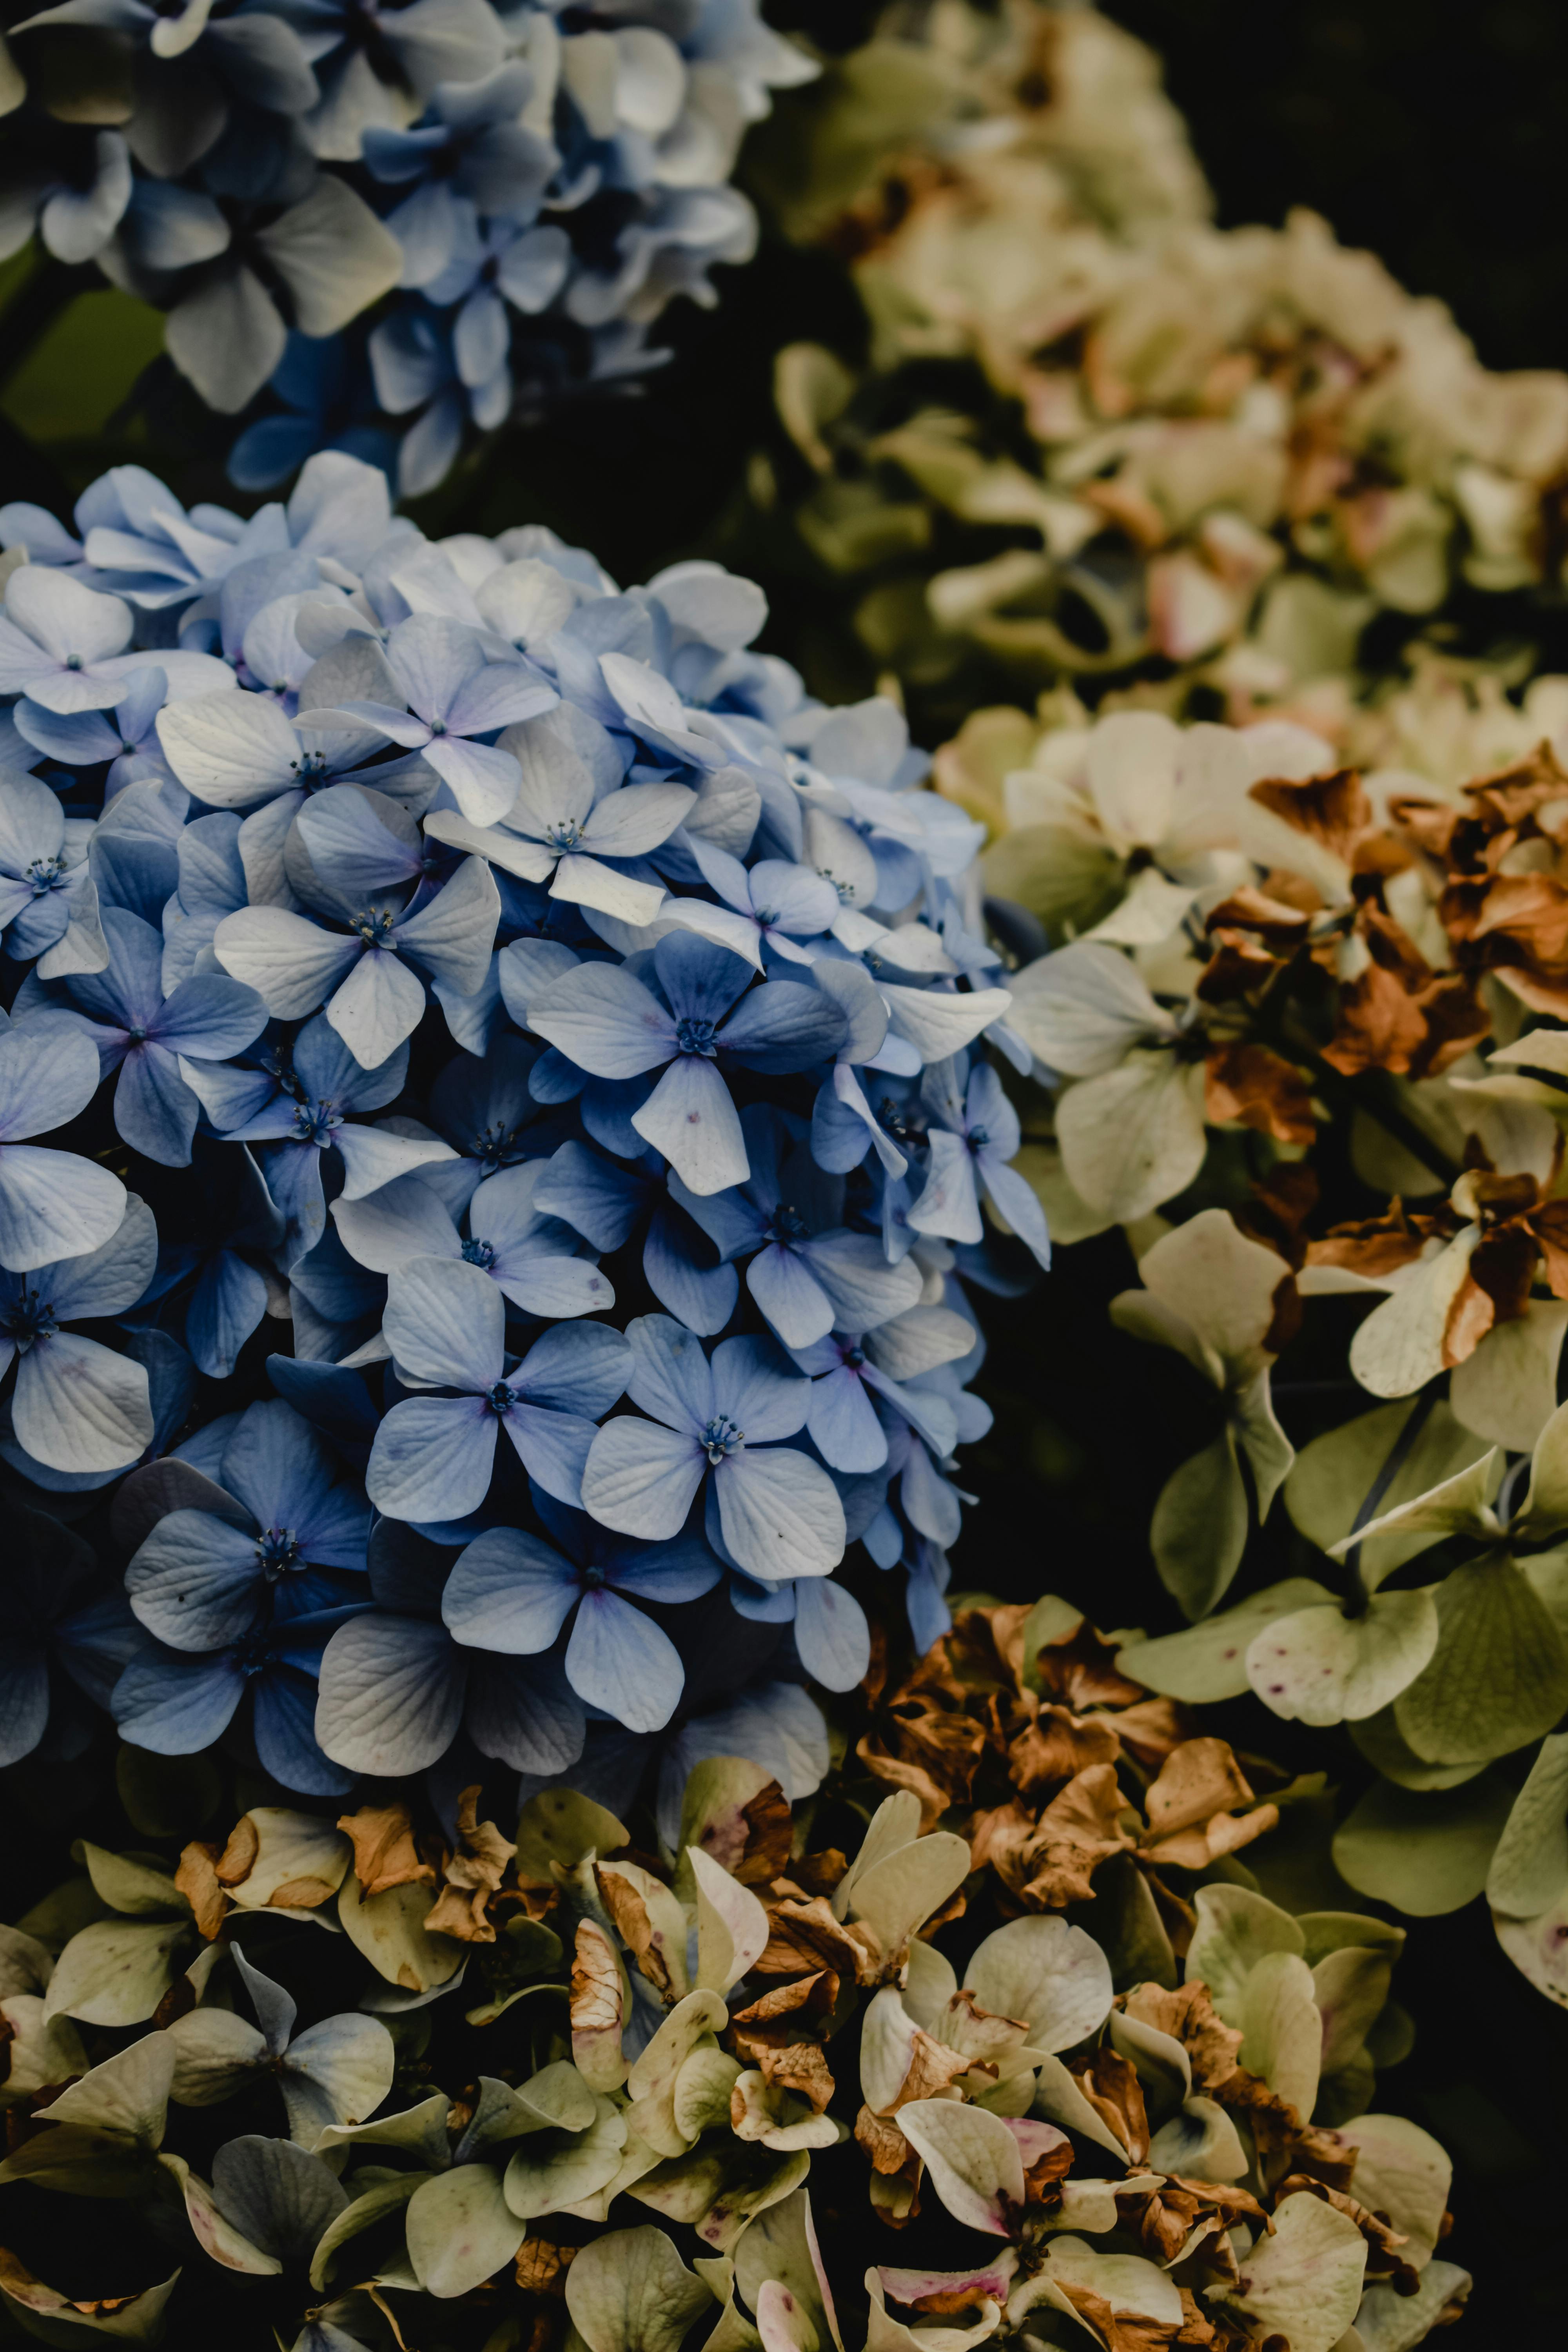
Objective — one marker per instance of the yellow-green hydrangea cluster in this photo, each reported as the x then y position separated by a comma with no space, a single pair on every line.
609,2124
1096,438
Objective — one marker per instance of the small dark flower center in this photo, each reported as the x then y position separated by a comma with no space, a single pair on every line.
477,1253
47,873
373,924
787,1225
309,763
73,661
500,1399
314,1122
496,1145
564,835
278,1550
26,1319
854,1357
722,1437
979,1140
694,1036
438,727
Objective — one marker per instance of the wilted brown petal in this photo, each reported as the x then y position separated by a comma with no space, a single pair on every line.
1333,810
1258,1087
197,1880
385,1852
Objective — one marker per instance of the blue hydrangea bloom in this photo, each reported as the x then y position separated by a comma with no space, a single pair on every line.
434,958
462,213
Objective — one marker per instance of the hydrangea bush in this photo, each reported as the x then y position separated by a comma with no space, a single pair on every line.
703,2075
533,1078
1098,439
1302,1039
382,229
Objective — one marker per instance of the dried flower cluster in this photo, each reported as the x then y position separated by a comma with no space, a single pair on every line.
575,2085
1304,1038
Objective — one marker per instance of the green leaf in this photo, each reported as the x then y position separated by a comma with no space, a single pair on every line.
1305,2280
166,1796
1424,1854
1498,1675
1208,1662
460,2230
1199,1528
1324,1933
81,369
630,2292
1321,1666
1332,1476
1530,1868
1128,1926
116,1973
1380,1740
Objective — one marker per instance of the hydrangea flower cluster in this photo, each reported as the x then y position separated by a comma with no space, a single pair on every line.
1098,438
584,1041
1302,1035
571,2043
499,202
